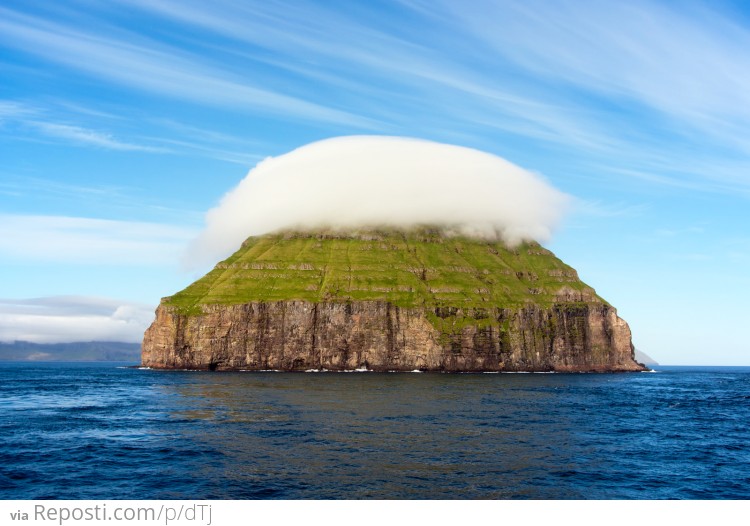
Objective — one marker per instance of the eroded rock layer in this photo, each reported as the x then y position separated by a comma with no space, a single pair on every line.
388,301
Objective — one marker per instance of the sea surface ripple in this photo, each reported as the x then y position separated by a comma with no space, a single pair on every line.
97,431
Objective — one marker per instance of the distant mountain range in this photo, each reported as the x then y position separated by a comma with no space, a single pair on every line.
20,351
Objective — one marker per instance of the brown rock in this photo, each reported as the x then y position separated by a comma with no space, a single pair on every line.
388,301
300,335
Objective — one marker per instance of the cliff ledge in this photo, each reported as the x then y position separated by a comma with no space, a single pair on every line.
388,301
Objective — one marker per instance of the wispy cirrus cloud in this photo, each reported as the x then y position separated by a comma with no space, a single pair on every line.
87,137
689,63
52,122
188,139
157,68
603,210
212,151
42,187
639,85
605,81
105,198
406,66
39,119
87,241
13,110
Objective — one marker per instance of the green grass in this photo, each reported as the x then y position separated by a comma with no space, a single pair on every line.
418,268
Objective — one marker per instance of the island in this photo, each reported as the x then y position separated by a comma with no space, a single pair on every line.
421,299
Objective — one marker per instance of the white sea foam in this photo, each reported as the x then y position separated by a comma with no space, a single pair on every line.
530,372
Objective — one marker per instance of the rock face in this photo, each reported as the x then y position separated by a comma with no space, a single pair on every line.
497,314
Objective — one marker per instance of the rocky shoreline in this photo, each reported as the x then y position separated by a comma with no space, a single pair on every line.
377,336
389,300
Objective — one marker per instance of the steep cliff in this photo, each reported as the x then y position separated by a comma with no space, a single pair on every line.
388,301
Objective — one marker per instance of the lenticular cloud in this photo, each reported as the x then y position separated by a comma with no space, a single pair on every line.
362,181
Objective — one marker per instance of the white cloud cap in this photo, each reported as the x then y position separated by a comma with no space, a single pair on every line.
359,181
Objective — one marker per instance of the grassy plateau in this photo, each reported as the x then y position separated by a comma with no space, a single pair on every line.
416,268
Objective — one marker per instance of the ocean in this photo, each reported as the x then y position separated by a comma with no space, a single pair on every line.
105,431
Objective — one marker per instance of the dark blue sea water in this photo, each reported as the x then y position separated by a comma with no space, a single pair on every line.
97,431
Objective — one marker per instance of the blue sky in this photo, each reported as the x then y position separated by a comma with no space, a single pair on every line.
123,122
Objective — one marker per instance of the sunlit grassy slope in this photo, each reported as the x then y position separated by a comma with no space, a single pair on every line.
416,268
